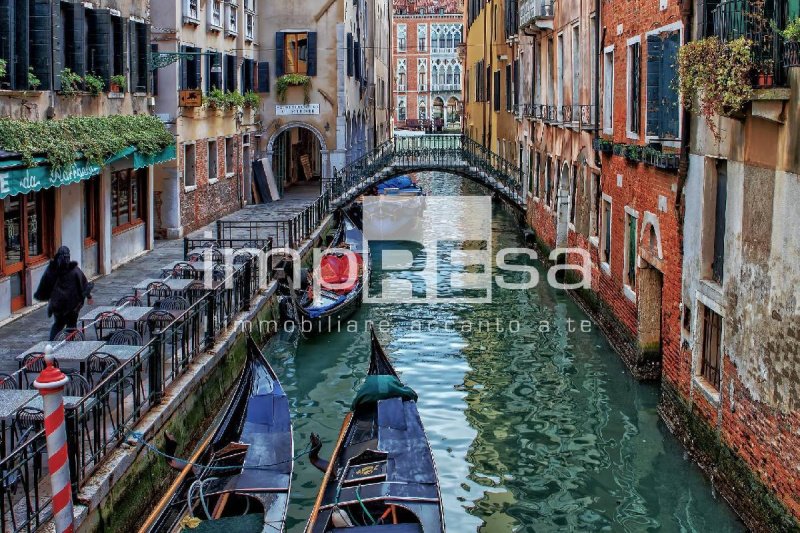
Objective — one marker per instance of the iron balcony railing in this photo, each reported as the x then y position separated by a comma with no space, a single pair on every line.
532,10
401,88
756,21
446,87
791,54
579,116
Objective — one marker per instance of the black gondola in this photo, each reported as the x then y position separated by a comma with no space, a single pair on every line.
246,473
381,476
326,311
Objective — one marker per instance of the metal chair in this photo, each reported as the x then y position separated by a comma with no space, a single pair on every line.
34,363
156,291
106,323
69,335
174,303
184,270
218,273
77,385
194,257
158,320
29,421
241,257
125,337
8,382
131,300
99,365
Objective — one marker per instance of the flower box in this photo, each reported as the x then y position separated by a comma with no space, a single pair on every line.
633,153
603,145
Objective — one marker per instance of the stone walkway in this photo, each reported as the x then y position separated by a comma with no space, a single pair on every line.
22,333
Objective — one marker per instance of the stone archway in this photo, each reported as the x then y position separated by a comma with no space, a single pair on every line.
325,171
650,281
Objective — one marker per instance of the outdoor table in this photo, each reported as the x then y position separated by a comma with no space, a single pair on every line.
66,352
137,316
10,402
177,286
122,353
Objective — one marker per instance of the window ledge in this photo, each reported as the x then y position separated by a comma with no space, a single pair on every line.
629,293
190,188
606,268
594,241
126,227
191,20
140,94
710,393
116,96
212,181
229,175
213,27
778,93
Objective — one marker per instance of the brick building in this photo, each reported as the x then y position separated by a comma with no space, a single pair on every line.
428,71
204,46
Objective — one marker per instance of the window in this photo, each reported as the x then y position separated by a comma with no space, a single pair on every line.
231,19
496,83
401,109
230,73
608,91
663,114
90,211
422,38
190,11
190,68
229,156
548,75
509,81
296,53
537,176
630,250
560,78
576,67
401,37
548,184
596,215
712,338
212,160
140,48
606,224
215,14
214,71
189,162
249,25
592,62
634,88
572,192
719,227
127,195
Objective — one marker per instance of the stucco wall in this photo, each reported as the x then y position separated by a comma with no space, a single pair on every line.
127,245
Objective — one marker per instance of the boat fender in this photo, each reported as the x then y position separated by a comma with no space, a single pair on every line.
313,453
339,518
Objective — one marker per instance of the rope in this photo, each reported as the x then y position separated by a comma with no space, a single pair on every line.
364,507
140,438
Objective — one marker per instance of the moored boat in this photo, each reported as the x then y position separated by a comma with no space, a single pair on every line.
326,310
381,475
239,478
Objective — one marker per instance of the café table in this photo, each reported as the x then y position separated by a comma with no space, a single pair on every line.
66,353
11,400
136,315
178,287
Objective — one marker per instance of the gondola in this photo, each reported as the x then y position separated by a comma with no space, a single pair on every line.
381,476
239,478
325,312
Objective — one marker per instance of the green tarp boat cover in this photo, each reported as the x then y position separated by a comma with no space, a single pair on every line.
248,523
382,388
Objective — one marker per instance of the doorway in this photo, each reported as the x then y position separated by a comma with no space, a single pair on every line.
27,238
651,286
297,158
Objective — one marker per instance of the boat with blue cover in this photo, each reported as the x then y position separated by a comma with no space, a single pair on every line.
239,477
381,476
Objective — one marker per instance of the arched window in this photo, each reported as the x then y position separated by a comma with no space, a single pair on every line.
435,38
401,110
442,74
449,75
442,41
457,75
422,76
458,37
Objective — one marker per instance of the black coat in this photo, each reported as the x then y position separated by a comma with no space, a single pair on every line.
65,289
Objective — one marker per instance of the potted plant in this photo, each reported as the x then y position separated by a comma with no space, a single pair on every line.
70,82
233,100
94,84
294,80
715,77
633,153
215,99
118,83
650,156
791,48
252,100
618,149
33,80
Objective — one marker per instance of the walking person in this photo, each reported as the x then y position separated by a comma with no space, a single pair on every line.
65,287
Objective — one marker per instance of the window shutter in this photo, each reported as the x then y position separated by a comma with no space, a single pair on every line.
41,41
144,51
654,71
516,81
98,23
357,54
311,63
198,69
134,56
280,53
74,38
263,77
154,50
19,74
184,69
670,107
58,44
6,44
496,83
350,55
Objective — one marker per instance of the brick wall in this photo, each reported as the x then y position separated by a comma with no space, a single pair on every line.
214,196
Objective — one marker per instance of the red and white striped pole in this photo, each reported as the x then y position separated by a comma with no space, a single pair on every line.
51,386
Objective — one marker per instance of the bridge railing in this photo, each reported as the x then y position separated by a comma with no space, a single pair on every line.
505,172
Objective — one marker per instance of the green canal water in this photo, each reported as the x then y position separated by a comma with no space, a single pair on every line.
538,430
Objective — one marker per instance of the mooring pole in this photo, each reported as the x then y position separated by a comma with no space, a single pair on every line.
50,384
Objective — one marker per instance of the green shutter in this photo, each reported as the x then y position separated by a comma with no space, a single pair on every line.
670,106
7,45
134,54
98,22
654,84
18,71
41,41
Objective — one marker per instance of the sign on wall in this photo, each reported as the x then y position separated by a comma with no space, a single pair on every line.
297,109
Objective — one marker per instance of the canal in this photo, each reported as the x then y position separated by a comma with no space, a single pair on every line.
541,429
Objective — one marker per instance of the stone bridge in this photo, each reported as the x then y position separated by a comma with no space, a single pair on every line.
456,154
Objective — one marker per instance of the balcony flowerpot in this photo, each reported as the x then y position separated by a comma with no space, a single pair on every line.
633,153
604,146
618,149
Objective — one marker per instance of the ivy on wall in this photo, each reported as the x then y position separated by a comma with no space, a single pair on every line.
95,139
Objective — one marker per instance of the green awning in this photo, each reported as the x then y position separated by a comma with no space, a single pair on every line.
14,180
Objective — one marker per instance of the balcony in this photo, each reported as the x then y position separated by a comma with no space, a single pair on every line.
580,117
756,21
401,88
536,15
446,87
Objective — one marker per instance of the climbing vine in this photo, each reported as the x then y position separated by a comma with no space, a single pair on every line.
96,139
294,80
2,68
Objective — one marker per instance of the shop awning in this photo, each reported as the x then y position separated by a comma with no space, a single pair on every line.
17,179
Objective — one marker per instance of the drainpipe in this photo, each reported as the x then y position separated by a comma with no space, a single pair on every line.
683,166
601,38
